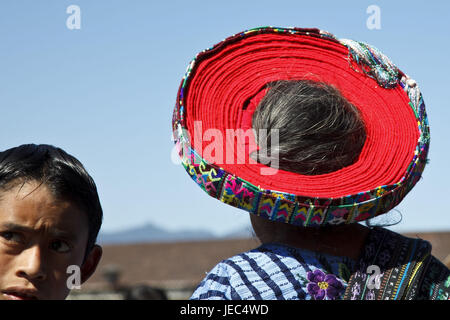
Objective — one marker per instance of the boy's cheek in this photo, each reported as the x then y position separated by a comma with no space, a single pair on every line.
6,270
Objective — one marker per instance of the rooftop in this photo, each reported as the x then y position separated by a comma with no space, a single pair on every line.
179,266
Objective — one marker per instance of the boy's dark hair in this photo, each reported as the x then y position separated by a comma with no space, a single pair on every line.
319,130
64,175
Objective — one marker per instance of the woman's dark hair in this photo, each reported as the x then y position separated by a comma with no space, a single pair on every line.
319,130
64,175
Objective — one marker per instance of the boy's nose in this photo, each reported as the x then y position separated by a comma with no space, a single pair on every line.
31,264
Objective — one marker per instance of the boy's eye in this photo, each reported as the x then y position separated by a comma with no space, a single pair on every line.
60,246
11,236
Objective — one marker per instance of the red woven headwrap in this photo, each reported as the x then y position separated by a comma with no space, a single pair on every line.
224,86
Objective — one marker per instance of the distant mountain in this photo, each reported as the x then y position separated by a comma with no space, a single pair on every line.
152,233
245,232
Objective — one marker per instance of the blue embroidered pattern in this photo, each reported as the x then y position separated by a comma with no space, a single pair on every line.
276,272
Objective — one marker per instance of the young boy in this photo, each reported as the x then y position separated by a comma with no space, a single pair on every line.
50,215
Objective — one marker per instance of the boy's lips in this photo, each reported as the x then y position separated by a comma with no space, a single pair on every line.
19,294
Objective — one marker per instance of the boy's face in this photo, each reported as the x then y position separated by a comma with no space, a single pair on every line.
40,237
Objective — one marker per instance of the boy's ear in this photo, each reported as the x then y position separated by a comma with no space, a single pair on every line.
90,263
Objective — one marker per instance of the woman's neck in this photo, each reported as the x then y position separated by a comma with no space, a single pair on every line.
345,240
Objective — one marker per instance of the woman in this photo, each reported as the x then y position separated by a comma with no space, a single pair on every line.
334,134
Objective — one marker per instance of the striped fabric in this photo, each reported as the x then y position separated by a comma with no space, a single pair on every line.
276,272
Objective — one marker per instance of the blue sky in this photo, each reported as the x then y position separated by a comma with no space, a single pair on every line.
105,93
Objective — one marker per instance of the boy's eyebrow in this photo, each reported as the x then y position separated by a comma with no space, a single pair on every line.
15,227
54,232
57,233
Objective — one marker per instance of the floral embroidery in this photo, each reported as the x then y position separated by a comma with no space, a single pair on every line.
344,272
323,286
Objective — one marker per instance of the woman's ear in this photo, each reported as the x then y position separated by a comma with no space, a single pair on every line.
90,263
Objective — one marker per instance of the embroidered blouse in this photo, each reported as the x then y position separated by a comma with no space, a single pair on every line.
277,272
406,270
